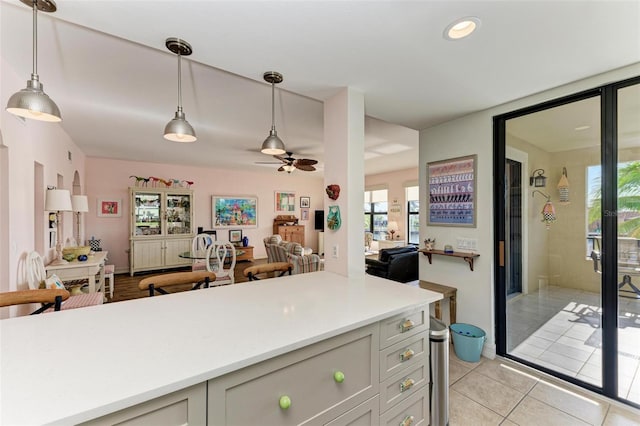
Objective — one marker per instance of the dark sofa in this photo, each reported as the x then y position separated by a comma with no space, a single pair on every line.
397,264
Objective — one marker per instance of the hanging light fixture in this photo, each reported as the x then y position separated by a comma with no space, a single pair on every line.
538,179
179,129
32,102
273,145
563,187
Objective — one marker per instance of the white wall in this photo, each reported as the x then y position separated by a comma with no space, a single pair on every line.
473,134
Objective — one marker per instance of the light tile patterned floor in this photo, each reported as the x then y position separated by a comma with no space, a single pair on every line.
559,328
501,392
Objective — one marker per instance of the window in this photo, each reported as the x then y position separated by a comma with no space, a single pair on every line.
628,212
413,214
375,213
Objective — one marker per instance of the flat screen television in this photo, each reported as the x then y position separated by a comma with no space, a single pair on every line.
319,220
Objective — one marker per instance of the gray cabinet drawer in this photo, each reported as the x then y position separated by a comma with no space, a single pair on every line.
184,407
365,414
391,391
401,326
404,354
412,411
306,377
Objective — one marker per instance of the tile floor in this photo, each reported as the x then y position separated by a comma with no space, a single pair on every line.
558,328
501,392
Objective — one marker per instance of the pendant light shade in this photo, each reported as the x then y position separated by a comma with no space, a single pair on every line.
32,102
273,145
179,129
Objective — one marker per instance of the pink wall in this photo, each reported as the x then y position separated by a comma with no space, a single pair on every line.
110,178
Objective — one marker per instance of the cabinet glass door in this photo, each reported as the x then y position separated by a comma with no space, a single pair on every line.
178,214
148,213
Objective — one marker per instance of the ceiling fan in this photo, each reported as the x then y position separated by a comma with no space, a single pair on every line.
289,163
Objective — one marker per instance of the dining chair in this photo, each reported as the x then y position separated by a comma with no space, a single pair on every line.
221,259
49,298
158,283
265,269
36,275
200,243
109,271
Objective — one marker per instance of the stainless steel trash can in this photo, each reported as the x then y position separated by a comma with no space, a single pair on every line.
439,372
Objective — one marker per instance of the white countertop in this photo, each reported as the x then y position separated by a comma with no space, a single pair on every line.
71,366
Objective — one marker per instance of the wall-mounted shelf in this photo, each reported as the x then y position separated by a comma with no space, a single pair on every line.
468,257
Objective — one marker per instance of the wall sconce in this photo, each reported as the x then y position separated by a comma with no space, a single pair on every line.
538,180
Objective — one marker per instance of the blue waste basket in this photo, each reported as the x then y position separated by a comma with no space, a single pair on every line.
467,341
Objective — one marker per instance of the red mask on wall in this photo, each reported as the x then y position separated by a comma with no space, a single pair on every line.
333,191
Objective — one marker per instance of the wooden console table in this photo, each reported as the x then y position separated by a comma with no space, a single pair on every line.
468,257
447,292
246,255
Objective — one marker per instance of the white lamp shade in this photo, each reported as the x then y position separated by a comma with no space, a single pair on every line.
58,200
79,203
392,226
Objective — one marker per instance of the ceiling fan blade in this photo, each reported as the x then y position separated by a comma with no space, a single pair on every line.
305,167
306,162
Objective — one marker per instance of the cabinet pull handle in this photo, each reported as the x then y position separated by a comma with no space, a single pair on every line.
406,325
407,421
285,402
407,384
338,376
407,355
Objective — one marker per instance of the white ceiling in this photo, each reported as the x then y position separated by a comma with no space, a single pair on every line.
106,66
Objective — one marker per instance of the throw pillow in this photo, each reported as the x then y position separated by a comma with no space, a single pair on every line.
54,282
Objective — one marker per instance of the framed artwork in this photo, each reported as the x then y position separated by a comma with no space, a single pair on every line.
234,211
285,201
235,235
108,207
304,214
452,192
305,202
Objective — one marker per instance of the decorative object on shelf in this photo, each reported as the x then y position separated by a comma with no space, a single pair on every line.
452,189
305,202
392,227
234,212
333,218
245,241
333,191
429,243
179,129
58,200
548,211
304,214
538,179
563,187
94,244
141,181
79,205
448,248
235,235
285,201
273,145
108,207
32,102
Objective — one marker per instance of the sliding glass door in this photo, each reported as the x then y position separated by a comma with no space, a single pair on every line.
567,288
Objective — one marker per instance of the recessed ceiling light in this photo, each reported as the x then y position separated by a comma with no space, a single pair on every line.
461,28
582,128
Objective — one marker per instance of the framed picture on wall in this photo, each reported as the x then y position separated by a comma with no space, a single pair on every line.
234,211
304,214
451,200
235,235
109,207
305,202
285,201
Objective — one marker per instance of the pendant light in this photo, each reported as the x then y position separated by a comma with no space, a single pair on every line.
179,129
32,102
273,145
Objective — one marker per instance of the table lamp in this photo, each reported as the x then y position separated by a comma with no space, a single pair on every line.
58,200
392,227
79,204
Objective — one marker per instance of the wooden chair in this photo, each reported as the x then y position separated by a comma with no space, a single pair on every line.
36,274
221,259
252,271
48,298
158,283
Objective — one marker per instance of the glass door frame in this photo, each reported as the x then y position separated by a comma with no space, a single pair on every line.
609,293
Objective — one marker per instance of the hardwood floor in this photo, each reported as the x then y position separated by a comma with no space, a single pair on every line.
126,286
